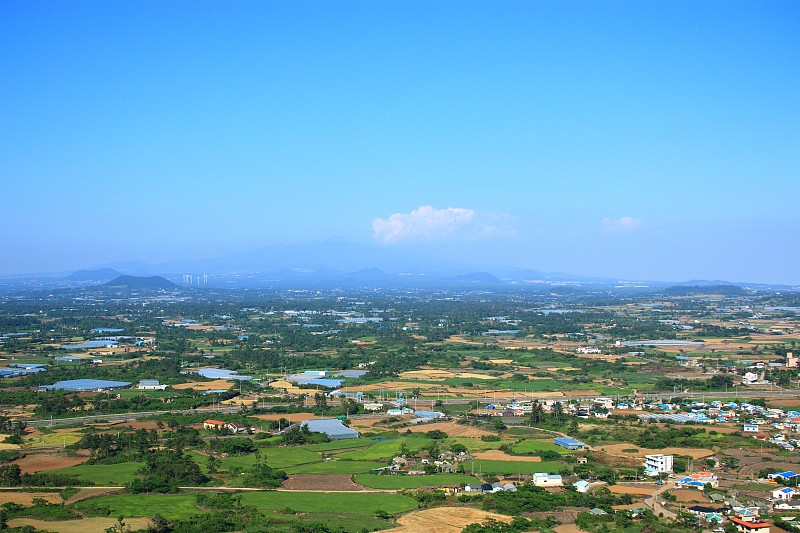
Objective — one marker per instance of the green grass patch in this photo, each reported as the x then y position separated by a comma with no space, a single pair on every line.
388,482
104,475
513,467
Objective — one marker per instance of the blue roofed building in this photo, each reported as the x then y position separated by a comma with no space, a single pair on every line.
332,427
83,385
569,443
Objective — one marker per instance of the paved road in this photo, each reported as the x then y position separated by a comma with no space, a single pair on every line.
654,500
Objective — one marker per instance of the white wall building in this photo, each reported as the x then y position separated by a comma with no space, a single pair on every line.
547,480
658,463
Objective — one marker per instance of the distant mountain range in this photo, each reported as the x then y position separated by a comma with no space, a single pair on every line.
100,274
340,263
139,282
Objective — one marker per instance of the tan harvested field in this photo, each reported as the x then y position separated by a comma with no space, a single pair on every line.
428,375
461,339
78,526
293,417
617,449
499,455
636,490
472,375
5,445
332,482
452,429
443,520
288,386
217,384
26,498
47,462
501,361
240,401
567,528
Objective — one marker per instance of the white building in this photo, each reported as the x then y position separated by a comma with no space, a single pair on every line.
783,493
658,463
547,480
749,378
750,428
151,384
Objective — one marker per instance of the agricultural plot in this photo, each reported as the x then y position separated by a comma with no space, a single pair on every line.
282,458
173,506
389,482
335,467
535,446
104,475
444,520
340,444
513,467
170,506
41,462
387,449
356,503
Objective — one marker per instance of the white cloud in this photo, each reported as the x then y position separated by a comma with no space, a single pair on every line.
426,223
621,225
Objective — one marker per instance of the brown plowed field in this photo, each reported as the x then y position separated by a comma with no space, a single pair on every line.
443,520
690,496
636,490
46,462
333,482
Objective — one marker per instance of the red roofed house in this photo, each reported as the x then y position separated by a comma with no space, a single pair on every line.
750,527
213,424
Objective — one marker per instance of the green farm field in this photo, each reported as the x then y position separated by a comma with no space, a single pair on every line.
533,446
512,467
104,475
335,467
183,505
388,482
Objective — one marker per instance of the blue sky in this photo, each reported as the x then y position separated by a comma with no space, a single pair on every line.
652,140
